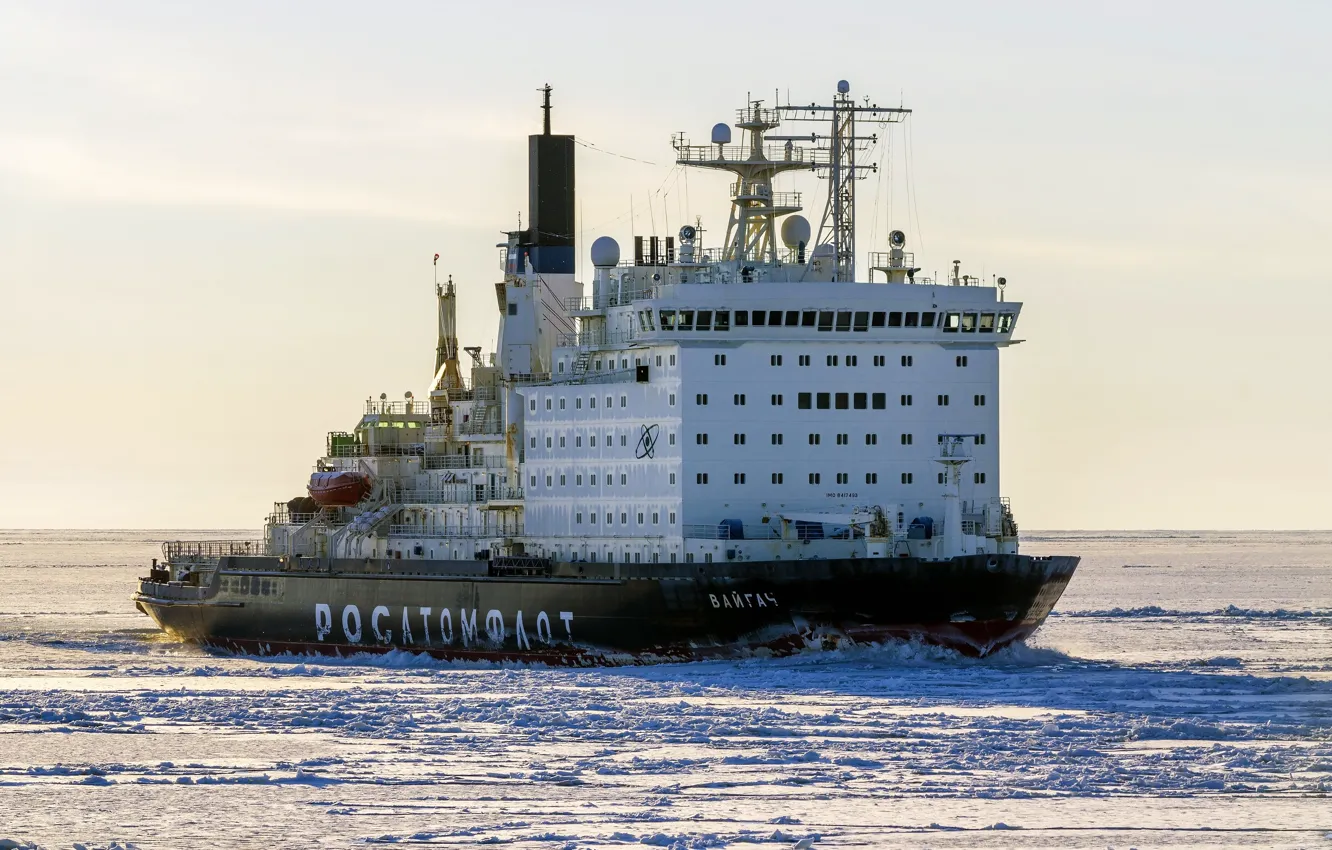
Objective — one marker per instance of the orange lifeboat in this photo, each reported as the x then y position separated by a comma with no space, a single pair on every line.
339,489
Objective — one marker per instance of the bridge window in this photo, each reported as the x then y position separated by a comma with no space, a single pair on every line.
895,319
668,320
704,320
861,321
968,323
825,320
843,320
952,321
877,319
684,320
742,319
987,323
912,319
927,320
808,318
792,318
723,321
1005,322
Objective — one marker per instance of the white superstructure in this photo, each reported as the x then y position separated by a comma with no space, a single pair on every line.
745,402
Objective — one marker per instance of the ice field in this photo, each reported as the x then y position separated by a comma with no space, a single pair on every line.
1180,697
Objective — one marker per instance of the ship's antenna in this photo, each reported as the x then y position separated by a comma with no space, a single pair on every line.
545,108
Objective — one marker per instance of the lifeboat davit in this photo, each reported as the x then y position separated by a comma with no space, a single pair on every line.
339,489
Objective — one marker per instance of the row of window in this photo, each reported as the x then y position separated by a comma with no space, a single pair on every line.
624,517
609,363
839,360
861,401
817,439
839,478
824,320
578,403
608,478
739,478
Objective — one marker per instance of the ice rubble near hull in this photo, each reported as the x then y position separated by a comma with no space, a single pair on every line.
974,604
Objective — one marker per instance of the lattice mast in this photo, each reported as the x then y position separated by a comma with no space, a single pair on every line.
755,207
838,225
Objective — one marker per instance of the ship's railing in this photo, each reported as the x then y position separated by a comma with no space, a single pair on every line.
463,462
705,154
612,376
461,493
885,260
528,378
613,296
398,408
588,339
762,191
178,550
422,531
382,450
482,425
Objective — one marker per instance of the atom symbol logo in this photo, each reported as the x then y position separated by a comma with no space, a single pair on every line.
647,442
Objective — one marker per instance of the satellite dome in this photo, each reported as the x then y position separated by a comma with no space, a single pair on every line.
721,134
605,252
843,86
795,230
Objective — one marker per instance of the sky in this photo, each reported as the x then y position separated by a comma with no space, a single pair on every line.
217,224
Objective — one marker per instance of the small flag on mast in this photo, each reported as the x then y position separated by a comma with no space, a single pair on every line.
436,260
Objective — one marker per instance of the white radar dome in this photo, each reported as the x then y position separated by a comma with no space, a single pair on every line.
605,252
721,134
795,230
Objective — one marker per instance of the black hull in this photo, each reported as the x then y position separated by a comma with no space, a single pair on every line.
633,614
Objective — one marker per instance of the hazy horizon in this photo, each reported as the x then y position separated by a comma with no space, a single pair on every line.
217,224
